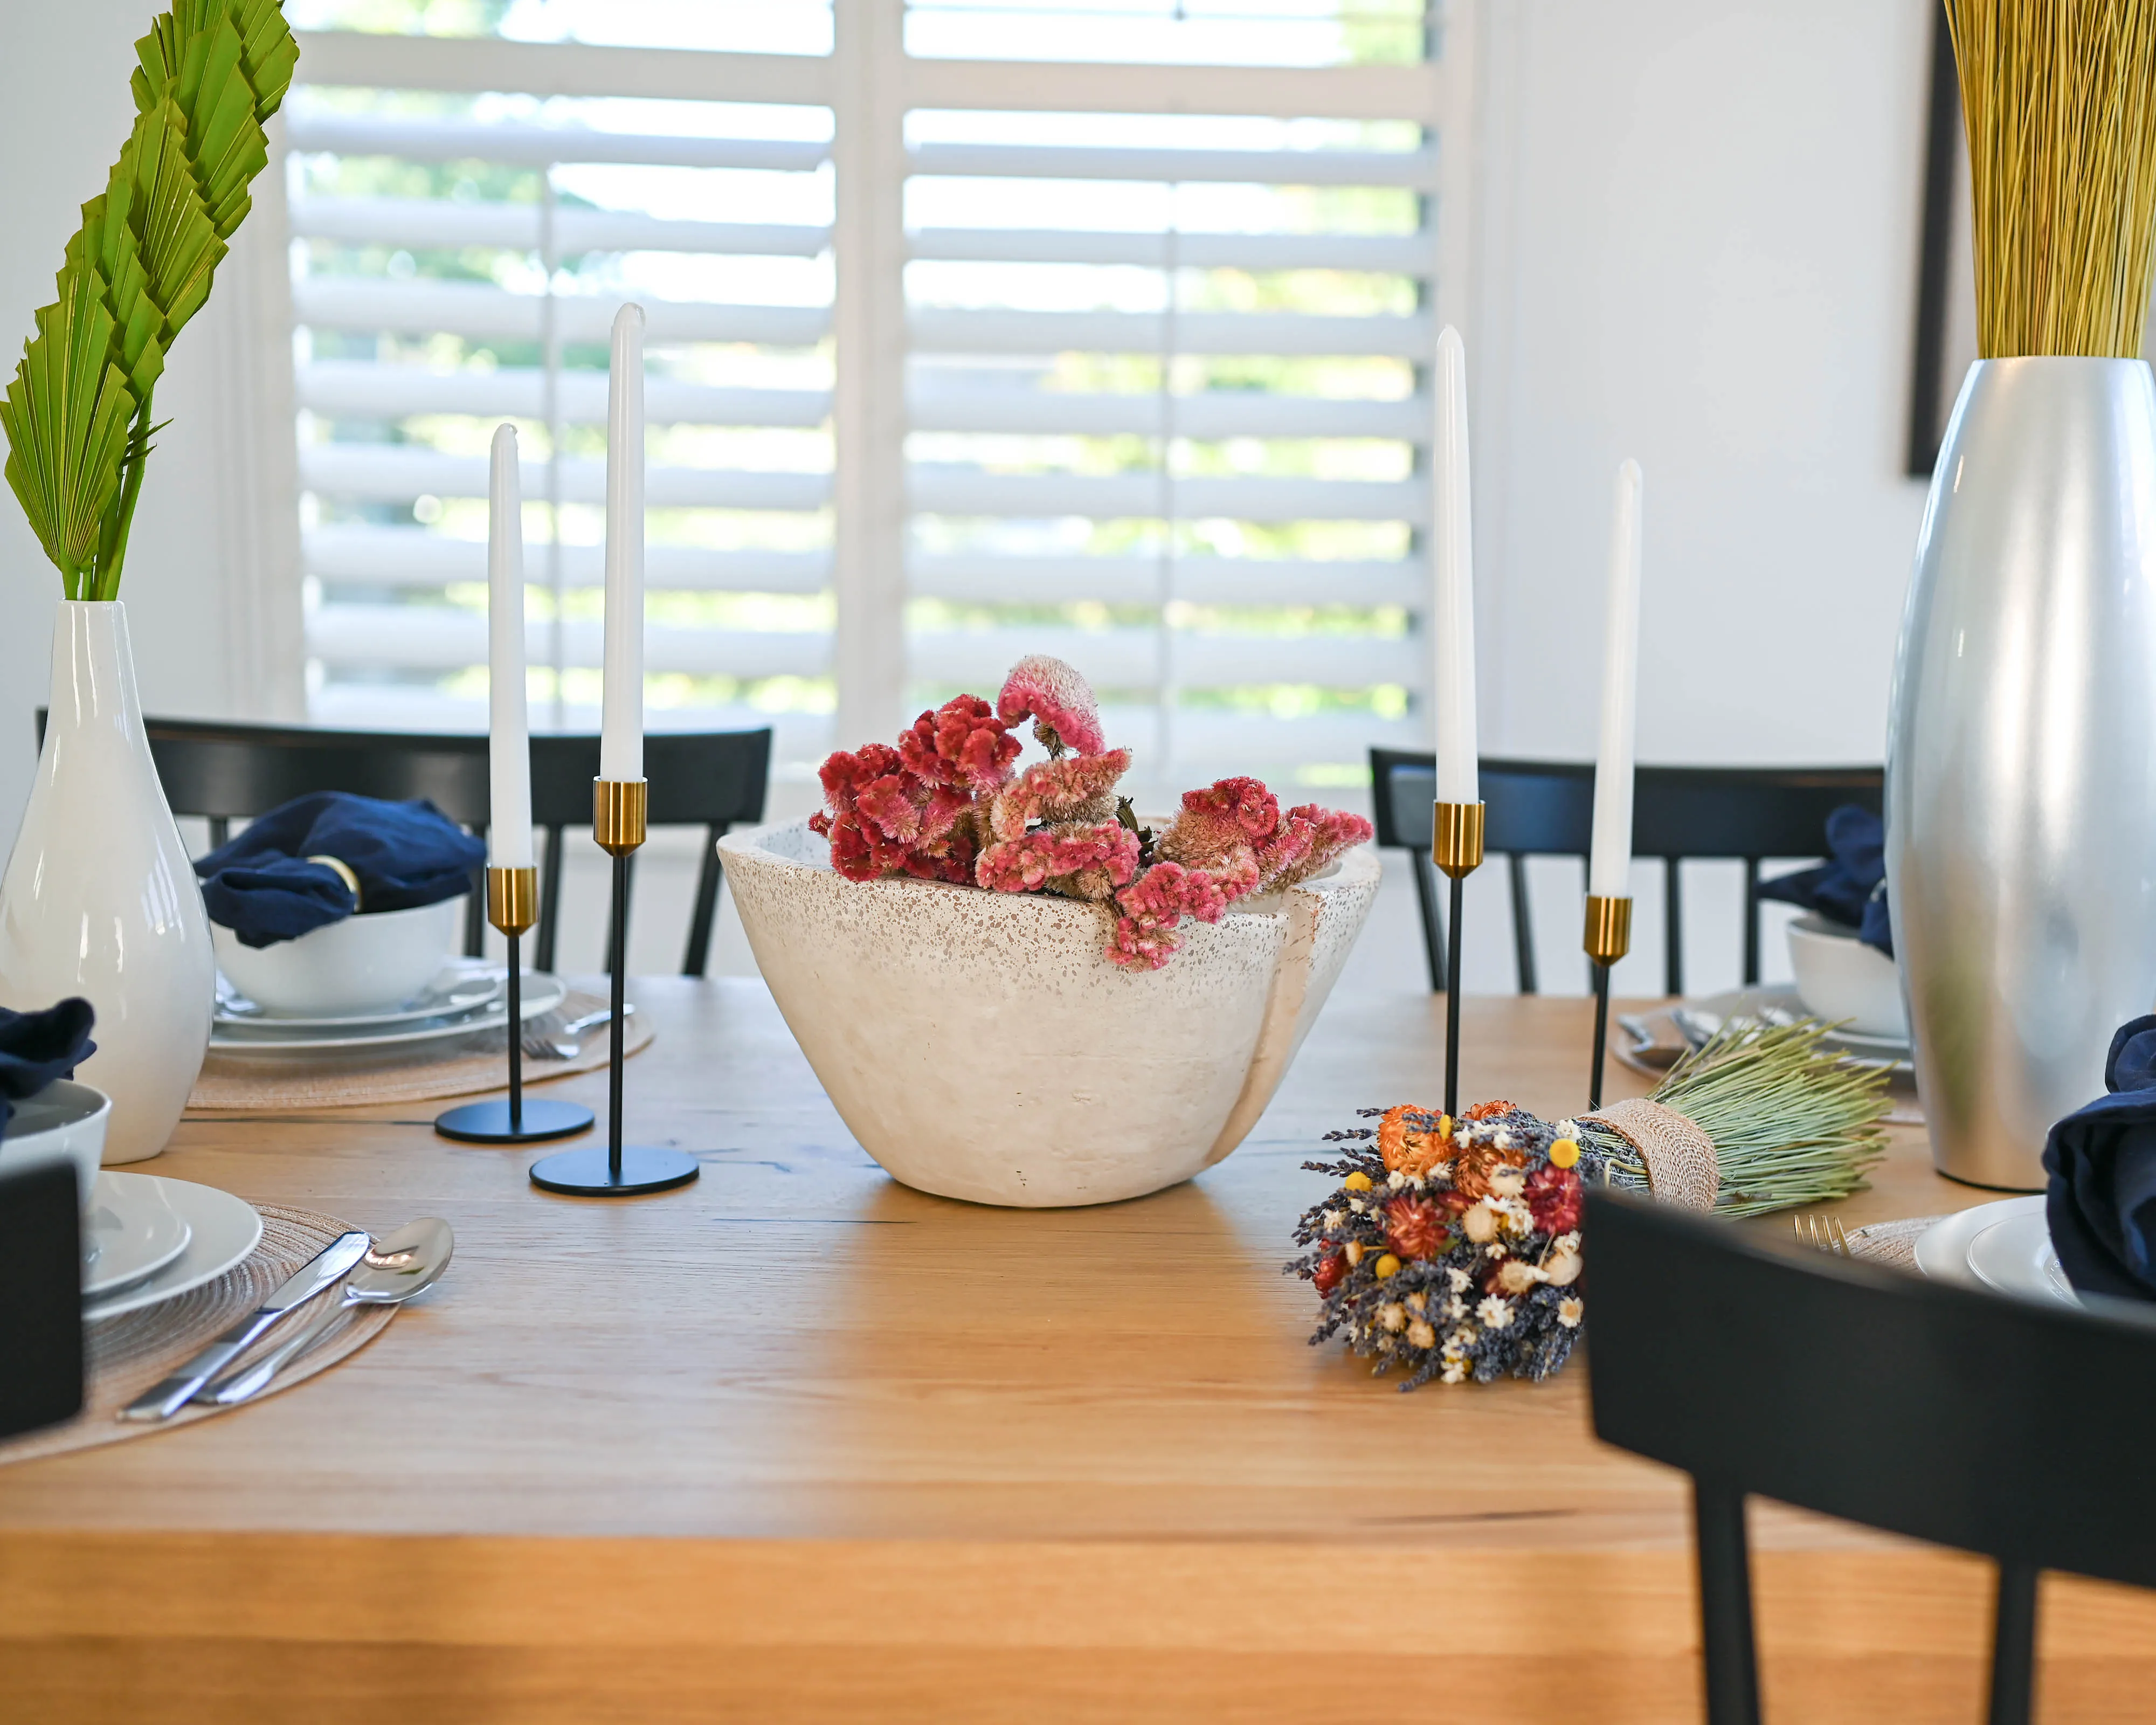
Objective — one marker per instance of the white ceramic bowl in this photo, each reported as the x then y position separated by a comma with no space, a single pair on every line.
64,1121
1839,978
981,1046
370,963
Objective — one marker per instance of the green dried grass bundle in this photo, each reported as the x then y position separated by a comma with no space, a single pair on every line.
1792,1123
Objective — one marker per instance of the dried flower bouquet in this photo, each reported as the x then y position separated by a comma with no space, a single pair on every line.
949,804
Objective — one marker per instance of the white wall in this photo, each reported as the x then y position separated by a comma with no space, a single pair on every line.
1697,242
191,580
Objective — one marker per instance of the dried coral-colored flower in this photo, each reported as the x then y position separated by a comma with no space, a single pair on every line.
1331,1268
1415,1228
1556,1198
1058,701
963,744
1485,1110
1475,1163
1408,1141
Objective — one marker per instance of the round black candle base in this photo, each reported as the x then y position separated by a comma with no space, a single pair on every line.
583,1173
488,1122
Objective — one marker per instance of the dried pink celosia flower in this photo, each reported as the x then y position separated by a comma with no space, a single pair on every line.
1077,788
1078,861
1230,816
1058,701
962,743
1153,905
1309,840
885,818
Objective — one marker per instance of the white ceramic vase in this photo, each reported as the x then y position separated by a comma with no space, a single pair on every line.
99,899
980,1045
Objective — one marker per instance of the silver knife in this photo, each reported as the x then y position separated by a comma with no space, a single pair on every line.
161,1401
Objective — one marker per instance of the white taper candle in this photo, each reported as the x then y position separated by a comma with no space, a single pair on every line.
1452,614
509,737
621,717
1609,862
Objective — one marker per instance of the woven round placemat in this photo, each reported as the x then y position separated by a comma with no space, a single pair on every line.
229,1086
1893,1243
129,1353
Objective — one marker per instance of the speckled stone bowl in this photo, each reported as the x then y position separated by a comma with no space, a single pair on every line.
980,1045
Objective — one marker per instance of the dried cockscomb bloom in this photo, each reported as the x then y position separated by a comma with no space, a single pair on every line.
963,744
1058,701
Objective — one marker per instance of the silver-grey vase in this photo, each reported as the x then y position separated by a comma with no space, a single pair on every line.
2021,756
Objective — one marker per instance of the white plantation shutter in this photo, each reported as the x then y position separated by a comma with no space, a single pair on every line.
466,215
1172,278
1115,314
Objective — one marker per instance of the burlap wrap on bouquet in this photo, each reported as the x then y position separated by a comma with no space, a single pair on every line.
1680,1157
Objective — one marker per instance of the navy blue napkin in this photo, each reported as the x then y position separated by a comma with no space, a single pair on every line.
38,1047
262,887
2101,1203
1851,886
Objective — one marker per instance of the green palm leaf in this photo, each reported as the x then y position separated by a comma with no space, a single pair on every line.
77,414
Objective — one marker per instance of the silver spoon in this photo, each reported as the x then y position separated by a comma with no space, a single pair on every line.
394,1270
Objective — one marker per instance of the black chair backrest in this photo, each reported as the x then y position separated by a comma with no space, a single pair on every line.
226,772
41,1350
1546,808
2007,1427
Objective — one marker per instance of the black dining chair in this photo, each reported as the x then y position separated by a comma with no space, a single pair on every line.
224,772
2011,1428
1547,808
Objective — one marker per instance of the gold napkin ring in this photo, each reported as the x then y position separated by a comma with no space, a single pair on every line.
342,871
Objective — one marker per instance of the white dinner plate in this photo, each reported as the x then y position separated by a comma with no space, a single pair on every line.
2014,1256
1779,1005
1944,1249
266,1042
465,986
129,1230
221,1231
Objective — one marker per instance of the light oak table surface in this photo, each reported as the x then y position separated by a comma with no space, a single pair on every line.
797,1442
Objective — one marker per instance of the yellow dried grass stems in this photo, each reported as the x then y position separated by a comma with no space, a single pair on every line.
2058,99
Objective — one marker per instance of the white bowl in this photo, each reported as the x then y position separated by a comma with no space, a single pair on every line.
64,1122
1840,978
370,963
980,1045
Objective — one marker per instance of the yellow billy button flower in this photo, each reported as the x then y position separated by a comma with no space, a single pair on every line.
1387,1265
1356,1182
1564,1153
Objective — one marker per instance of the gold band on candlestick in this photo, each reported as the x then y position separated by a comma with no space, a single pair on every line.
1457,838
617,806
512,899
1609,935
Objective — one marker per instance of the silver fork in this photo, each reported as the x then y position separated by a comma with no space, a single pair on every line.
538,1035
1822,1234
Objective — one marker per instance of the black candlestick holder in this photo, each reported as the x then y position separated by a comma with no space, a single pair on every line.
1607,938
1457,848
620,1170
512,898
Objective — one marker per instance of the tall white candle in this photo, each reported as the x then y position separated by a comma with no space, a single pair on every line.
1452,556
1609,862
621,717
509,738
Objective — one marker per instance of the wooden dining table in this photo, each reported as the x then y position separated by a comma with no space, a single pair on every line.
795,1442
